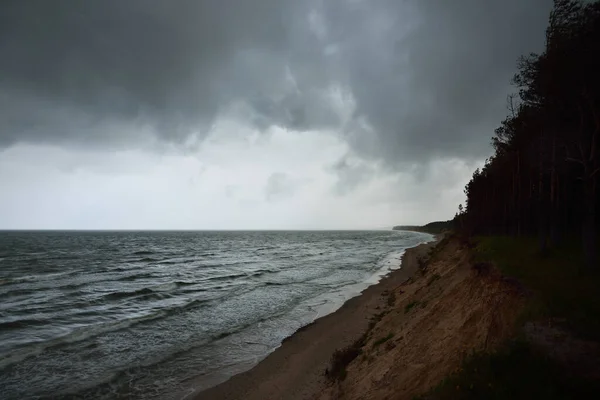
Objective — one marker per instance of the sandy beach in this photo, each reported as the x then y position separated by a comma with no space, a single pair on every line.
297,369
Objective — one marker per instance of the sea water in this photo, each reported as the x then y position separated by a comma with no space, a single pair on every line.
149,314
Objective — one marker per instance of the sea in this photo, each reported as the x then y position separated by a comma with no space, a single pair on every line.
144,315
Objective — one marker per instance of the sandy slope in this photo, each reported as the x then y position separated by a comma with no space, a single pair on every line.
439,316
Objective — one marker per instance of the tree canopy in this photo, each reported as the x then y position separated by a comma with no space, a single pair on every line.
542,178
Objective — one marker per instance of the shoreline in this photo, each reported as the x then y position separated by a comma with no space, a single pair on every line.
296,369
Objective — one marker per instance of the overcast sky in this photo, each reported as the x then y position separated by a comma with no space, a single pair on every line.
251,114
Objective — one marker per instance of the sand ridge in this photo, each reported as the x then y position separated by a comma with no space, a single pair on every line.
444,312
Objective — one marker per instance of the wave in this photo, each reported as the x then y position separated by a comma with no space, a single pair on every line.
11,292
184,283
168,262
157,290
148,259
111,382
36,277
249,274
242,327
84,333
188,259
143,253
76,335
135,277
123,295
279,283
20,323
165,287
103,278
266,248
222,277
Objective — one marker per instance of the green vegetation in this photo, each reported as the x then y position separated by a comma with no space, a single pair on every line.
342,357
391,299
375,319
410,306
433,278
382,340
556,288
555,279
515,372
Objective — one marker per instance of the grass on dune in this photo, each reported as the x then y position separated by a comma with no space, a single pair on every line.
560,288
516,371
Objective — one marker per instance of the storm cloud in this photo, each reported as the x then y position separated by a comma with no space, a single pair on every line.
329,96
400,79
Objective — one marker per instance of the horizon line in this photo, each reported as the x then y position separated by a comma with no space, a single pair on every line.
187,230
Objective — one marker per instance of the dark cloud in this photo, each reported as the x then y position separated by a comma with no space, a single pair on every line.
432,76
405,81
68,66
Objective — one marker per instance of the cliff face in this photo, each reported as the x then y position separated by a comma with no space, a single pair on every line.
447,310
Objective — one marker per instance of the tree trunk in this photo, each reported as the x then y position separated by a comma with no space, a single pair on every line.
518,202
542,219
588,225
553,217
555,234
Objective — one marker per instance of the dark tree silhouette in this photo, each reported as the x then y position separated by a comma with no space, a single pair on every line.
542,178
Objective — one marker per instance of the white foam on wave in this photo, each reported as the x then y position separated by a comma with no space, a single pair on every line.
331,302
39,277
76,335
165,287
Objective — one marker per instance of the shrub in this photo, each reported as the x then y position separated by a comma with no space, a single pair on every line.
383,339
434,278
391,299
410,306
